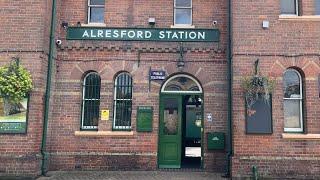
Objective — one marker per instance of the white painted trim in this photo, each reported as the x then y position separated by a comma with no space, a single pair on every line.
89,12
174,14
300,103
186,92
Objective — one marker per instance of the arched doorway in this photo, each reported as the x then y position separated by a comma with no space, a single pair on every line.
180,123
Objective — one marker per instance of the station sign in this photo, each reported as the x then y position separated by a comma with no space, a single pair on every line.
143,34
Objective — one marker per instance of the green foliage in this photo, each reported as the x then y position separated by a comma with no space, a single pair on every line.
257,84
15,82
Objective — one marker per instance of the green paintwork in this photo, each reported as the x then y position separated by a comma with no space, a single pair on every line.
170,145
216,141
13,127
143,34
192,131
144,119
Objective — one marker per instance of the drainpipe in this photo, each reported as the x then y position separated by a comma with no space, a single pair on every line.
230,87
44,154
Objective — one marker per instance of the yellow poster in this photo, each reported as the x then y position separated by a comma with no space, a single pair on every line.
104,115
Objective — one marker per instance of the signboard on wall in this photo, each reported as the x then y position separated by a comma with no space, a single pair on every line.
13,117
259,116
157,75
144,119
143,34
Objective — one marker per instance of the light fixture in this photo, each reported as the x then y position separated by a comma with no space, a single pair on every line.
152,21
181,63
64,24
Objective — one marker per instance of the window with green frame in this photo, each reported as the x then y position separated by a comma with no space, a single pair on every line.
122,102
90,101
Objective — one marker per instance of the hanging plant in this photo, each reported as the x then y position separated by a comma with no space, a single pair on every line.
257,86
15,84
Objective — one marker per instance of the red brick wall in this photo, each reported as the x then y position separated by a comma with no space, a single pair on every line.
287,43
25,34
206,61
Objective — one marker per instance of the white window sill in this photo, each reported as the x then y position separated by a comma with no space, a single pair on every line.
293,136
94,25
185,26
102,133
298,18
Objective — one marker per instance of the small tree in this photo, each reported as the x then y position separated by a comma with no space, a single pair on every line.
15,84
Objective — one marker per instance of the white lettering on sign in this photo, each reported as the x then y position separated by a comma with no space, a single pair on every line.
92,34
148,34
144,34
108,33
100,33
85,34
161,34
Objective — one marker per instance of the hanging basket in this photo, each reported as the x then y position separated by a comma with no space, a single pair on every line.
15,82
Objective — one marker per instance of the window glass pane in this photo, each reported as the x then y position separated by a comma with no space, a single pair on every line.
292,114
288,6
123,113
92,86
170,117
291,84
183,16
183,3
97,2
97,14
91,112
317,5
123,101
181,84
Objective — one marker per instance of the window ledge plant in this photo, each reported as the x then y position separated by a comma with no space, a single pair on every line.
15,84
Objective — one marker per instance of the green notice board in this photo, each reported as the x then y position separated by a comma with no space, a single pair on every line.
144,118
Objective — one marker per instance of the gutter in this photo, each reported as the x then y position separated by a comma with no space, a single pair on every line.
44,154
230,96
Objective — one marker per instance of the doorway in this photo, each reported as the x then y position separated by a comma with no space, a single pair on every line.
180,125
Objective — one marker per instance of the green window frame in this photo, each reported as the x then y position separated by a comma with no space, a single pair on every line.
122,109
90,101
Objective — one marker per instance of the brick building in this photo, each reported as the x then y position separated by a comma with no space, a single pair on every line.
140,85
288,49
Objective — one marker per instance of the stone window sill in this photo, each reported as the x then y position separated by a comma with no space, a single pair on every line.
183,26
102,133
298,18
294,136
94,25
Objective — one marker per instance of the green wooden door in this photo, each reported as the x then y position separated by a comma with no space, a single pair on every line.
170,132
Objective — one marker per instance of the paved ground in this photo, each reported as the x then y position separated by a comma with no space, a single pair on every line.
131,175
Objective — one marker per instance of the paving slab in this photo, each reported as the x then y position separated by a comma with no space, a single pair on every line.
131,175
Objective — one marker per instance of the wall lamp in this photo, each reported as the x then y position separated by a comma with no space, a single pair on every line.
152,21
64,24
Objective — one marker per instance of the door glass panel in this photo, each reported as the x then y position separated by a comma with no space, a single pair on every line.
171,116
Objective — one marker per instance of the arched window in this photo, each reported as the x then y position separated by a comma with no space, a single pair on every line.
122,102
293,97
90,101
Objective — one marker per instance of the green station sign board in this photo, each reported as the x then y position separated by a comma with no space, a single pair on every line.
143,34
